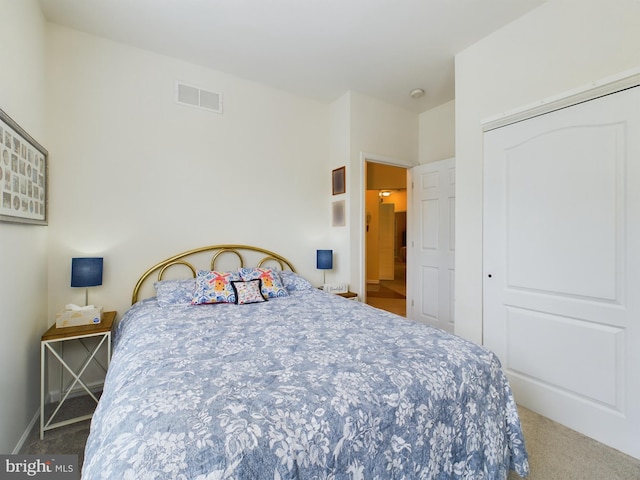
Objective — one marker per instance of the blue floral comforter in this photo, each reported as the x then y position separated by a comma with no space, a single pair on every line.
309,386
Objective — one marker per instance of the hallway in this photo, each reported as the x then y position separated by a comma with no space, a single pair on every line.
390,295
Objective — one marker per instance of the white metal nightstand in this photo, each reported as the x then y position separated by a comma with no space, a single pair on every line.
57,335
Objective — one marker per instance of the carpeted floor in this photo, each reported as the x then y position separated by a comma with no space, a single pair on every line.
555,452
69,439
559,453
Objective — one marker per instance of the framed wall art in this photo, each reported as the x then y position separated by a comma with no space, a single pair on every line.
338,214
23,175
338,181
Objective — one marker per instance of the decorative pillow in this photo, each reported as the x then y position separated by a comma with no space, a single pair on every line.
214,287
272,286
175,292
292,281
248,291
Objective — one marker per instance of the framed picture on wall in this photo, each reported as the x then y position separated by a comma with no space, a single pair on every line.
338,183
338,214
23,175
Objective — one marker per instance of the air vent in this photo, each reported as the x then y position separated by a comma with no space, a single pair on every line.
198,97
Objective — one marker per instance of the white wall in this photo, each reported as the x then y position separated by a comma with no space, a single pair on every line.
436,133
23,249
136,177
381,132
339,141
557,47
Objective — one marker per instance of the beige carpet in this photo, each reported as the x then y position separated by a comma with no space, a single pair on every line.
68,440
558,453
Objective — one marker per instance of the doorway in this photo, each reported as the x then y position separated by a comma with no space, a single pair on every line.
386,237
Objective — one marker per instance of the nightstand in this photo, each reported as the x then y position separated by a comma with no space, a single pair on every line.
58,336
349,295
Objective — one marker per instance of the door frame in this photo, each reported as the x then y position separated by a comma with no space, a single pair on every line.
375,158
606,86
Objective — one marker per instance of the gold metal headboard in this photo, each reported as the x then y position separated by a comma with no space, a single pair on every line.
172,264
226,250
217,251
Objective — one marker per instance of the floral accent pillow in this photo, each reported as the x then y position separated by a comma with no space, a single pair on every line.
248,292
214,287
175,292
294,282
272,286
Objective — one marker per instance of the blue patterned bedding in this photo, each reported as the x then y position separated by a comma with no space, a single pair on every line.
309,386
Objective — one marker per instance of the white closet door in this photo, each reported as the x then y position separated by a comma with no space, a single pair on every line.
562,264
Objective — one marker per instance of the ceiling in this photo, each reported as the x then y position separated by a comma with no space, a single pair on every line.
319,49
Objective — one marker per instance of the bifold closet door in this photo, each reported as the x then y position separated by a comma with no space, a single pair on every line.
562,264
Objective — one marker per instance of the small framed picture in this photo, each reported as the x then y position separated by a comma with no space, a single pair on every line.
338,183
338,215
24,168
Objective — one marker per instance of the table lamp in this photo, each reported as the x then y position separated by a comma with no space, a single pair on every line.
86,272
324,262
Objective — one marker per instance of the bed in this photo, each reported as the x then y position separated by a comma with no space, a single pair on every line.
300,385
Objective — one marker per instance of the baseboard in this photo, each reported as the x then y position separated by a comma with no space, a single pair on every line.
27,432
52,396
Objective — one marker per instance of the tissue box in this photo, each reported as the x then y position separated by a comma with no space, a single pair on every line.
73,318
335,287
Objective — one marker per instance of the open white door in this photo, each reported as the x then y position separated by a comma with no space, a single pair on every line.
562,264
431,249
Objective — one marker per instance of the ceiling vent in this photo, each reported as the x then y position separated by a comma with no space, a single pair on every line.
197,97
